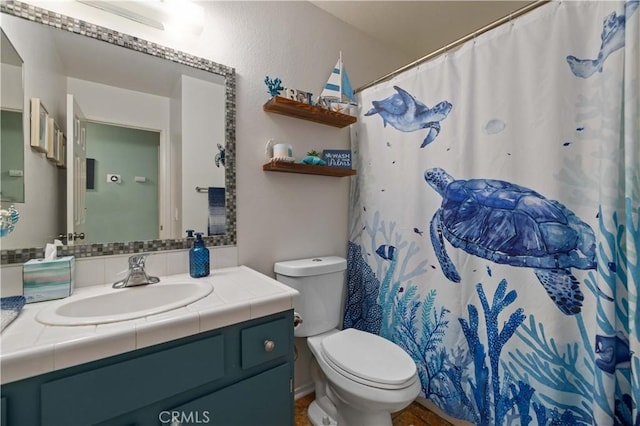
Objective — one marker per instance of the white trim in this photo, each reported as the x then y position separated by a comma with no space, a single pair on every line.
304,390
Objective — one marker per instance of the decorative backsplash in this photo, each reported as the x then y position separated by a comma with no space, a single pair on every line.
104,249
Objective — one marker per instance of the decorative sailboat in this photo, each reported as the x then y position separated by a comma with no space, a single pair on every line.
337,94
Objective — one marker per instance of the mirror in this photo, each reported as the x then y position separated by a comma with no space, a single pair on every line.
11,123
184,104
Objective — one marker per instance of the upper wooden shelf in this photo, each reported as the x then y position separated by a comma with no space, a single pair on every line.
285,106
307,169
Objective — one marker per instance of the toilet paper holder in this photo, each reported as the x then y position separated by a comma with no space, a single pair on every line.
297,319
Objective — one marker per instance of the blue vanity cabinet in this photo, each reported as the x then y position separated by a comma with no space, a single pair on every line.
234,376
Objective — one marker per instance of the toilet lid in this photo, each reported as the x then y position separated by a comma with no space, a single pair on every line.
368,358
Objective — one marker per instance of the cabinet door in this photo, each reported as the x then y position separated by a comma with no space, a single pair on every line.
3,411
265,399
105,393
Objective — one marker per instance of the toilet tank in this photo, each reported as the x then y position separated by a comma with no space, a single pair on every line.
320,282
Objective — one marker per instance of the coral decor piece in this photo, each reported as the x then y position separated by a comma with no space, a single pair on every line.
8,219
274,85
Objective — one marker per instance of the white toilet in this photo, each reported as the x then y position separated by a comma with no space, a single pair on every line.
362,378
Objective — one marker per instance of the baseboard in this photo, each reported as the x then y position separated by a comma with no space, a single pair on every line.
303,390
435,409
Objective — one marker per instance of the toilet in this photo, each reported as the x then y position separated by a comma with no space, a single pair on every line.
360,378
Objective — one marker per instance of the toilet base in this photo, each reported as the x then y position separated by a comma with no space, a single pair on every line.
318,416
349,417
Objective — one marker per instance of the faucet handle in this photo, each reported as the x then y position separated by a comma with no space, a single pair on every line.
137,275
137,261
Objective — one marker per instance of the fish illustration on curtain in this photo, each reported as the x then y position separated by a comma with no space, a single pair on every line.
407,114
613,36
612,352
510,224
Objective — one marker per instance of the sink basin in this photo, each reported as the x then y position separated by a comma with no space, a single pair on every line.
124,304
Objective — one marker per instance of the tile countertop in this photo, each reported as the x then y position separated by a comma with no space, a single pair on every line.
29,348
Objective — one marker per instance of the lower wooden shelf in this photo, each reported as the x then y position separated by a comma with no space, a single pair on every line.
307,169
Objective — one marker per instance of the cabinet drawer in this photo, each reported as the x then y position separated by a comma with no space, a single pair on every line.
103,393
265,342
265,399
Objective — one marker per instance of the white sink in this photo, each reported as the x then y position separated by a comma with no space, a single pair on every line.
124,304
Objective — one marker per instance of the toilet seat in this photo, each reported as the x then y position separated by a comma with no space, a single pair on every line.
369,359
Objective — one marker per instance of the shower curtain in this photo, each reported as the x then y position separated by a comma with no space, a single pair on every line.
494,220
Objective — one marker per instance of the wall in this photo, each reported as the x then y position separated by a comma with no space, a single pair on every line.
11,96
283,216
127,210
42,78
12,123
202,131
114,105
175,153
11,156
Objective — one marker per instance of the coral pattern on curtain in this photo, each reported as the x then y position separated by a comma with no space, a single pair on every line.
494,225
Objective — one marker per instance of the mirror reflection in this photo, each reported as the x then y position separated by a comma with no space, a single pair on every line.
11,123
148,141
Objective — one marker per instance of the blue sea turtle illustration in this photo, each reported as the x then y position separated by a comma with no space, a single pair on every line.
407,114
510,224
613,37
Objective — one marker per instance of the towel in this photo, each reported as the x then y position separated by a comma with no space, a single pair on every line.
217,212
10,307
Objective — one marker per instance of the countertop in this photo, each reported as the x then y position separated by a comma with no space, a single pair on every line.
29,348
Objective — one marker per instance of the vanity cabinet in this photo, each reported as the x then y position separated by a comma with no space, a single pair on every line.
237,375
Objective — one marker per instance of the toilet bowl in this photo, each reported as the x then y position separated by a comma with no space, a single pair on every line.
368,376
360,378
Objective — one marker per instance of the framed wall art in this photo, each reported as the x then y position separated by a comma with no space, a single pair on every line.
61,160
52,139
39,125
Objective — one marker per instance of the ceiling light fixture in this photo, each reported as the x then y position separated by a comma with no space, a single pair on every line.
155,13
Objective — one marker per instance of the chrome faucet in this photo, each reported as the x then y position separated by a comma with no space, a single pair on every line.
136,275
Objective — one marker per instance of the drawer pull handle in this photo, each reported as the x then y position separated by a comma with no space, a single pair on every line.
269,345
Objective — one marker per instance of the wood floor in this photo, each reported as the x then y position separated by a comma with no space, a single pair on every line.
414,415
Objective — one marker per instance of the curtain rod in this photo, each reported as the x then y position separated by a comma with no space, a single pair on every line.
457,43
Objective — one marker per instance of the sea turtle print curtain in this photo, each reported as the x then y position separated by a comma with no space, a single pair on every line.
494,220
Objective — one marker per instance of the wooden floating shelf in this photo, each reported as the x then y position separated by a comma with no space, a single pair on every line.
291,108
307,169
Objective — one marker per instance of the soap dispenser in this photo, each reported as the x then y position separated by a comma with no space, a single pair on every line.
198,258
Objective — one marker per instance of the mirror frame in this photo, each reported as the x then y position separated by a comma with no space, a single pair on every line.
100,33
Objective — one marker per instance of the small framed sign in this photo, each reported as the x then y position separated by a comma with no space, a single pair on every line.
337,158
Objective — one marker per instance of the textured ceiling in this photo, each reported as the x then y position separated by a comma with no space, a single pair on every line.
419,27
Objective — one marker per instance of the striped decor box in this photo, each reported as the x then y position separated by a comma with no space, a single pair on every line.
48,279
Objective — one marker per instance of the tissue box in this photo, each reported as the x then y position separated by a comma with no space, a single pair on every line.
48,279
